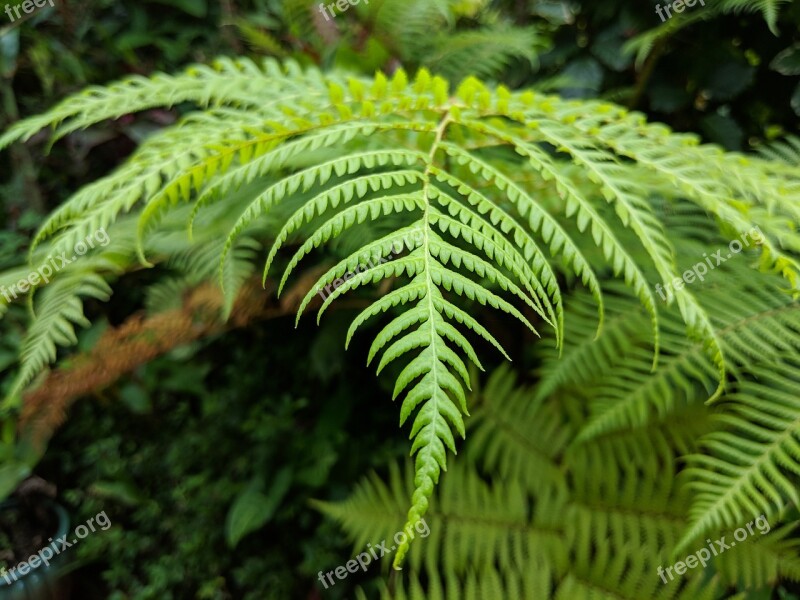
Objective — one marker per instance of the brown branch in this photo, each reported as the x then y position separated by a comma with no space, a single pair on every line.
140,339
228,22
647,71
137,341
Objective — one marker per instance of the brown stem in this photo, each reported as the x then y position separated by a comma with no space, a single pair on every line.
140,339
229,18
645,74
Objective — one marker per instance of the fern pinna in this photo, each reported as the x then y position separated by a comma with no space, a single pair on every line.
329,153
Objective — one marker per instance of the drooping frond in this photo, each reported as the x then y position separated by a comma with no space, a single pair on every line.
57,302
58,308
750,466
600,529
225,83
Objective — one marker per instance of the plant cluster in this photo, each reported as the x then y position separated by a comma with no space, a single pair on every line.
463,220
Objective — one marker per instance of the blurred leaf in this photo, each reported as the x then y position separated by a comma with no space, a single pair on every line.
787,62
124,492
9,50
41,59
555,11
196,8
259,39
723,130
90,337
189,380
729,80
371,57
608,48
252,509
587,75
11,475
29,219
136,398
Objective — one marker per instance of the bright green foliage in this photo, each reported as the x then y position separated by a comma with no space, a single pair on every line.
54,324
489,194
549,505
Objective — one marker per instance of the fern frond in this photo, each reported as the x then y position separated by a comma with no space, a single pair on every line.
486,51
585,215
768,8
762,560
632,393
638,215
539,219
472,524
370,209
226,82
759,324
237,271
588,521
58,309
540,273
786,151
586,356
750,467
701,174
517,440
643,43
534,582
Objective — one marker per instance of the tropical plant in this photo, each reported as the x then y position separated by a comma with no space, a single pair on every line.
502,198
454,39
576,487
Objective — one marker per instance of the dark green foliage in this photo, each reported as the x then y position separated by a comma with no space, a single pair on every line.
173,448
